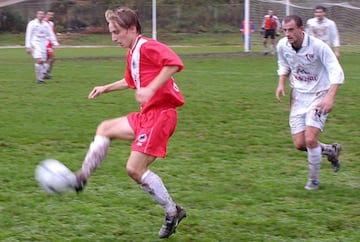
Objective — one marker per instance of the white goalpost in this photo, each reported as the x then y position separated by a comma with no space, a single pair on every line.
345,14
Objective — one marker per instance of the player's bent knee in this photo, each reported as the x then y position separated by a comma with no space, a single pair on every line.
300,146
133,173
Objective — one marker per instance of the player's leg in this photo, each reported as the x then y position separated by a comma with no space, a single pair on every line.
39,56
117,128
39,68
138,169
314,157
50,60
273,42
265,43
305,136
151,142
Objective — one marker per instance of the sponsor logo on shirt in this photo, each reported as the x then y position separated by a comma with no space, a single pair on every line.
303,75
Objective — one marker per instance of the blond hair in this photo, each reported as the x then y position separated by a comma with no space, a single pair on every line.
123,17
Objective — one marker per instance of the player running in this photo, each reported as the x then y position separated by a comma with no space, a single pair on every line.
314,76
149,71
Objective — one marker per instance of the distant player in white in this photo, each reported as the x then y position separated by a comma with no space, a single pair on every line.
324,29
38,32
314,75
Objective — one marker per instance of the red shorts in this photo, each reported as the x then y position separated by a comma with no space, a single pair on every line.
49,48
153,130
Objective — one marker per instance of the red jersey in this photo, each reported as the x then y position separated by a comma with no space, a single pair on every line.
270,22
52,26
145,60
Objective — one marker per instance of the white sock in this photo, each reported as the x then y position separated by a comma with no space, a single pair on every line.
314,159
39,71
97,152
152,184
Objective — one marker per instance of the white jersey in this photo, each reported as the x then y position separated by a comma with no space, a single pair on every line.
313,68
37,33
325,30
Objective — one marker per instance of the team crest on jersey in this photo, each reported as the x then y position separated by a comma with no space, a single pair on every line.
310,57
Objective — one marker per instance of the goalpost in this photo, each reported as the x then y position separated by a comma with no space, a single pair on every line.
345,14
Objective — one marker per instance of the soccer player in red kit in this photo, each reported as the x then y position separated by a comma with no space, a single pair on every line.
149,71
49,47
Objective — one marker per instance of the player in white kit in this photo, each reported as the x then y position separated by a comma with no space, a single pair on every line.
38,32
324,29
314,75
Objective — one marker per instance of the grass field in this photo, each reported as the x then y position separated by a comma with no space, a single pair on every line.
231,162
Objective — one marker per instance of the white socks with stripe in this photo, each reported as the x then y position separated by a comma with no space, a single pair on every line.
152,184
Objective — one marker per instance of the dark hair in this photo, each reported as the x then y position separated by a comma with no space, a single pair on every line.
123,17
320,7
296,18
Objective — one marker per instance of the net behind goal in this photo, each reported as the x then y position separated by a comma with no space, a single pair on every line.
345,14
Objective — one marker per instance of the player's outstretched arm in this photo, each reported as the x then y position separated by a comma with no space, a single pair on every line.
118,85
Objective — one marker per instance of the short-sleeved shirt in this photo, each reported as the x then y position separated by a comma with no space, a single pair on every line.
145,60
311,69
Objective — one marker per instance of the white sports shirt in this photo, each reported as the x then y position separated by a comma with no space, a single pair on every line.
325,30
311,69
38,32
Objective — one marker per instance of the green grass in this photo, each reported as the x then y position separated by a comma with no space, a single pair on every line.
231,162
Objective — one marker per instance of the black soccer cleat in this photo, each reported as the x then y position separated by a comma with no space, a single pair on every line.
171,223
80,182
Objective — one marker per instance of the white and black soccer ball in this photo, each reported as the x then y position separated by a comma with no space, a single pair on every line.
54,177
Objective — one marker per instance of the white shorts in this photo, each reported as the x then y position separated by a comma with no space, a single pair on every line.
303,111
39,51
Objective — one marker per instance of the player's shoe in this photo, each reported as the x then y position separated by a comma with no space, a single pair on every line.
80,182
171,223
47,76
41,82
312,185
333,156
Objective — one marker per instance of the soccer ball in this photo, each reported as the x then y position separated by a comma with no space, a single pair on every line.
54,177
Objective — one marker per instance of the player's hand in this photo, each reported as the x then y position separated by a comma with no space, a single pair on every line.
325,106
280,92
144,94
96,91
29,50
